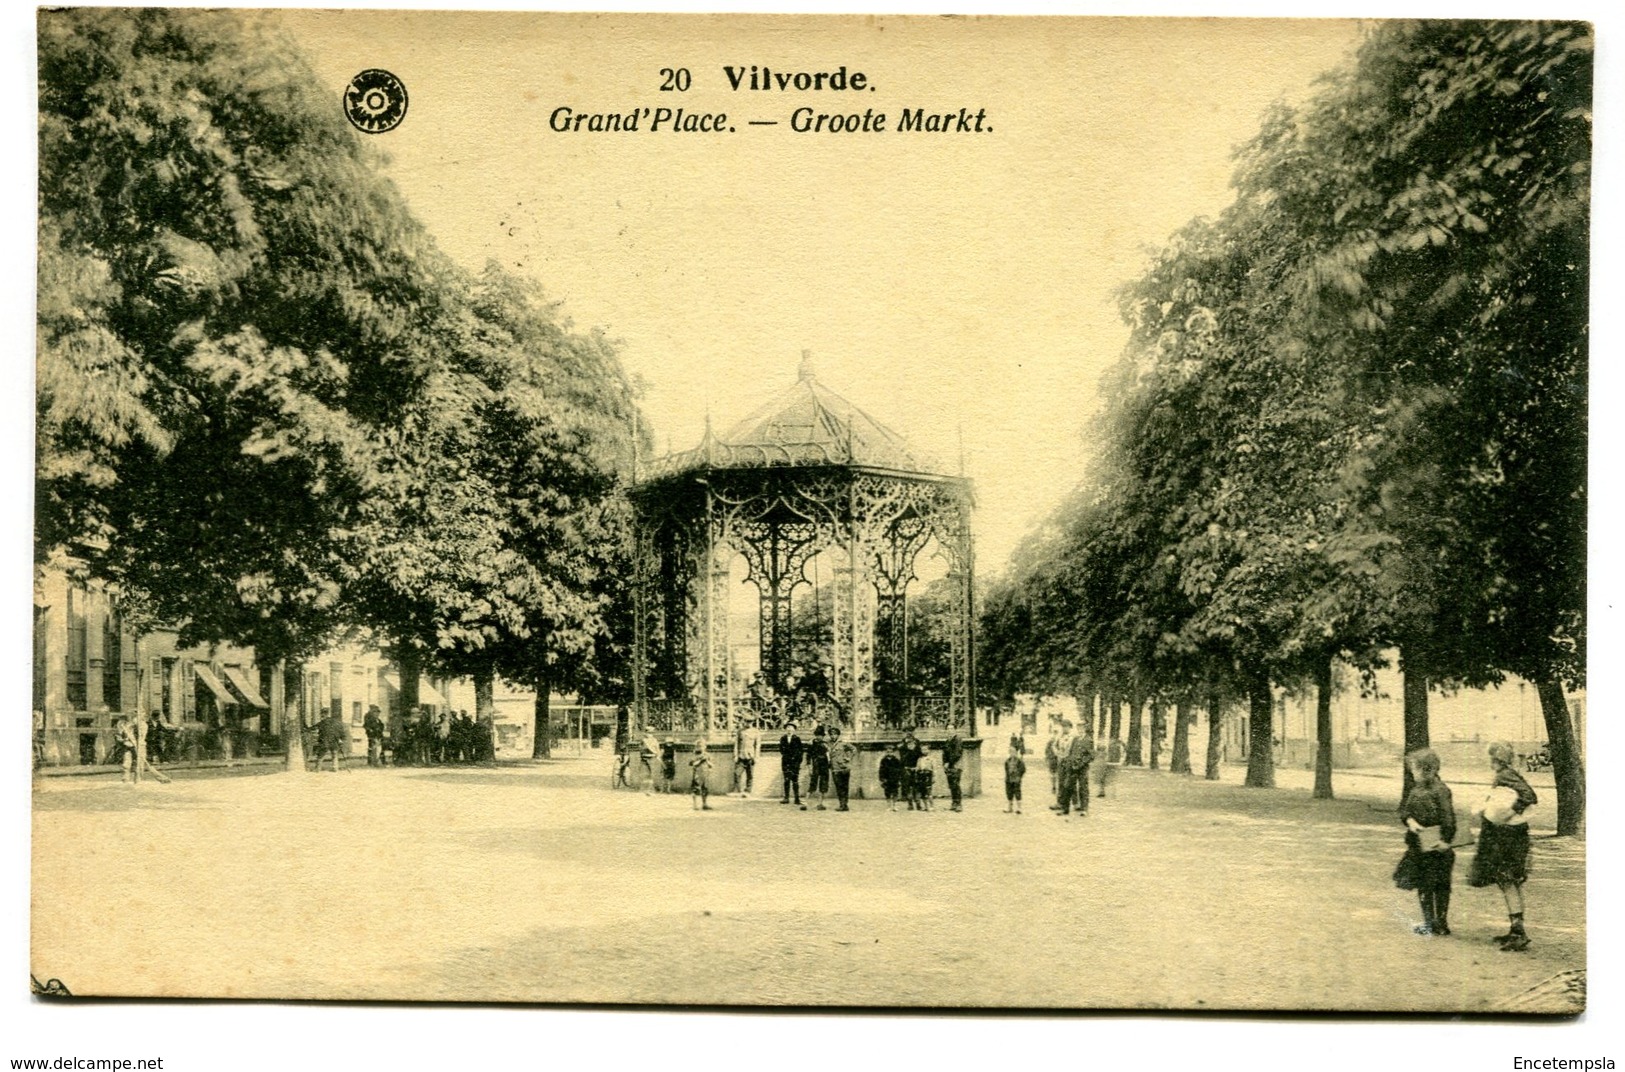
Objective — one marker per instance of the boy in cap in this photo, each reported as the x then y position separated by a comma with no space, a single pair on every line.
747,747
790,753
924,775
1015,769
699,775
842,754
891,776
818,760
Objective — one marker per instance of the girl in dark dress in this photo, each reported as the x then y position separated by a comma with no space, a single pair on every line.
1429,816
1502,858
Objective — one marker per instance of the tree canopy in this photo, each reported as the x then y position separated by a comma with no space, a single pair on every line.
269,408
1351,416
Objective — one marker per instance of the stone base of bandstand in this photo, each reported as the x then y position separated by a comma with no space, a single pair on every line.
768,780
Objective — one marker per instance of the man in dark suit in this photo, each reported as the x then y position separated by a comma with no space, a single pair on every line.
1080,753
953,758
330,739
790,753
373,724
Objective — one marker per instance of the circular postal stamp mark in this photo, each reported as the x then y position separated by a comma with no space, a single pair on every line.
375,101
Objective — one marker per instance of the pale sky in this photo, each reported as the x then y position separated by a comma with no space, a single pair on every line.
951,284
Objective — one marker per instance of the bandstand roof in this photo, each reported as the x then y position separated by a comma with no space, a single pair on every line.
805,425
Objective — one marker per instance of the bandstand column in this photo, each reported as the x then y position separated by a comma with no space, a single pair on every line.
962,652
713,577
860,625
641,580
708,576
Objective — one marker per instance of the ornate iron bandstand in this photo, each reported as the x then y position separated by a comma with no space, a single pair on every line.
808,476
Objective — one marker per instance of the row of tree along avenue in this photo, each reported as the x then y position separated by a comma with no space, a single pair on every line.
270,411
1351,419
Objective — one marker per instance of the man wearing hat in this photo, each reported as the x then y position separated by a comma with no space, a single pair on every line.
1079,755
818,760
747,747
842,754
790,752
374,727
953,757
1063,770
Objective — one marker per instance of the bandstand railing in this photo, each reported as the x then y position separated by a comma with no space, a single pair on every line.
910,712
672,716
891,715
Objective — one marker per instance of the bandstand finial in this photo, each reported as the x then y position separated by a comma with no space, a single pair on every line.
804,371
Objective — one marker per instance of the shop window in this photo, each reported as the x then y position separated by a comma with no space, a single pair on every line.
164,671
336,678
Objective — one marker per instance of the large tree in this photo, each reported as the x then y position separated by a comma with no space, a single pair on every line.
229,301
1352,412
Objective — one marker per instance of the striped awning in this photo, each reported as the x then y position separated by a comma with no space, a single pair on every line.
239,680
221,693
427,693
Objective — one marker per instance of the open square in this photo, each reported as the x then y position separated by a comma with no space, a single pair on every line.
538,883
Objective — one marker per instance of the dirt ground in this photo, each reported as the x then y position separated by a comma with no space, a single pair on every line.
537,882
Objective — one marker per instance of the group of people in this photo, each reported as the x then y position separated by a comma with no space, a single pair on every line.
1501,858
812,769
828,757
907,773
651,747
1069,755
128,752
427,740
421,741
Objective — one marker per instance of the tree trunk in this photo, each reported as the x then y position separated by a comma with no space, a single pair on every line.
1416,713
542,739
1323,729
1260,731
1215,734
1159,726
1567,765
1134,757
292,728
1117,718
411,671
1180,762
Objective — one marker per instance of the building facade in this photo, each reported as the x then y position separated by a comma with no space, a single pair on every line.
211,702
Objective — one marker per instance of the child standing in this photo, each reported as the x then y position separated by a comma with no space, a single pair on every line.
1429,816
891,776
818,759
1502,858
924,776
699,775
1015,769
648,749
668,766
